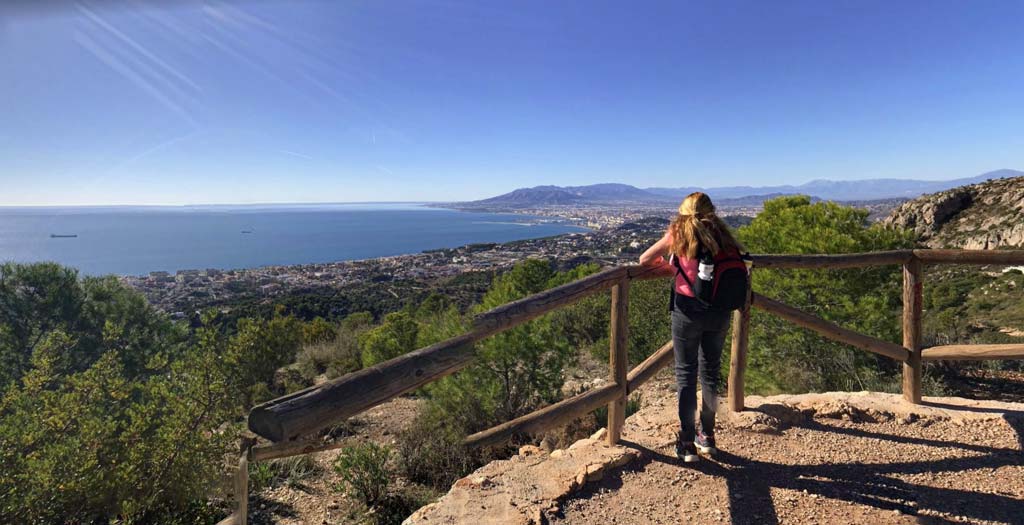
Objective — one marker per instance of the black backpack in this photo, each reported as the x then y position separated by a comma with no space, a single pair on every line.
730,282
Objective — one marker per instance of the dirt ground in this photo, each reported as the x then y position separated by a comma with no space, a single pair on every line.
838,466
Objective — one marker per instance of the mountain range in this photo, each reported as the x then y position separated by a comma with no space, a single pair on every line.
850,190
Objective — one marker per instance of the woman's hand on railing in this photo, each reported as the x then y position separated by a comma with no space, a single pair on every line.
654,256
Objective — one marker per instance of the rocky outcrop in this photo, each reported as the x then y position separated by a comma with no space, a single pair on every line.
525,488
984,216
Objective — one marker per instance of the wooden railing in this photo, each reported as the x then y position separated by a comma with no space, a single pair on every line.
288,422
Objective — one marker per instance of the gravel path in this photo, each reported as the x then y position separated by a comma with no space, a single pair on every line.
829,464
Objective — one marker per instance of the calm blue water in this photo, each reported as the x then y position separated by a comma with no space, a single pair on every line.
134,241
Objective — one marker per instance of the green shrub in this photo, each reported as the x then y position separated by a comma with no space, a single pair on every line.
43,299
100,444
318,331
255,353
338,355
395,336
364,473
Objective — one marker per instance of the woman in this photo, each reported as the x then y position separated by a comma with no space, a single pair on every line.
698,330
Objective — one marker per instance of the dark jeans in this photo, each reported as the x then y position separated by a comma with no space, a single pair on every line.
697,338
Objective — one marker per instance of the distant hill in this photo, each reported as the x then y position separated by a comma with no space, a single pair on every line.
986,215
858,190
844,190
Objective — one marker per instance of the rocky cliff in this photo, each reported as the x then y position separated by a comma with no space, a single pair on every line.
986,215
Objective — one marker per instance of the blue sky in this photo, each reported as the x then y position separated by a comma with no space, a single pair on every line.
210,102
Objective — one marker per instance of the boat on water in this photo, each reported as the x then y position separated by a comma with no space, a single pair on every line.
63,236
246,231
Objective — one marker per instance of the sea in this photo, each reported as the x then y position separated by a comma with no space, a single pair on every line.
139,240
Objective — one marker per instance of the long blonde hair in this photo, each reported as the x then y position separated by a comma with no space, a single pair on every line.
697,225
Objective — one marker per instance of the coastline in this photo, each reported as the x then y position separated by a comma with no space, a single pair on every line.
186,290
134,243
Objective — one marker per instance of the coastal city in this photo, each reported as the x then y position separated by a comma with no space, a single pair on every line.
186,290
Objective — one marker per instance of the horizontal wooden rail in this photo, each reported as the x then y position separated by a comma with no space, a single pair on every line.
649,367
971,256
548,417
518,312
309,410
843,260
297,447
829,329
973,352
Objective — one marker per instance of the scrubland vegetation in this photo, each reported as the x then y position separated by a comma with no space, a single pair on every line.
112,413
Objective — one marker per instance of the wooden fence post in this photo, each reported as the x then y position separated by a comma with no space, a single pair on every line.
738,360
912,299
242,484
618,340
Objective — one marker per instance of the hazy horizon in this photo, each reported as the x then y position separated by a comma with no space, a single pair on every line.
382,202
303,102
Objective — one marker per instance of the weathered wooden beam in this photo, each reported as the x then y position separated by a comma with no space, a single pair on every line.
548,417
973,352
618,338
912,301
643,372
829,329
844,260
738,357
306,411
971,256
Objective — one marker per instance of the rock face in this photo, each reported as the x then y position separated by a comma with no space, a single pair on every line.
525,489
983,216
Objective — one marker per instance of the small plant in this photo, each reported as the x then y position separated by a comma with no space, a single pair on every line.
363,471
290,471
261,476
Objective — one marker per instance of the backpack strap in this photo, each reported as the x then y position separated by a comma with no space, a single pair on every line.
693,289
679,271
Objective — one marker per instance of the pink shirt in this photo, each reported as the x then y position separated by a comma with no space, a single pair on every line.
690,267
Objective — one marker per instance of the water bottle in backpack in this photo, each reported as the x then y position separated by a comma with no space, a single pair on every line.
704,287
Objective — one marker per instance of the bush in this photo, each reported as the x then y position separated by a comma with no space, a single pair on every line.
318,331
44,299
102,444
363,471
111,412
257,351
395,336
430,450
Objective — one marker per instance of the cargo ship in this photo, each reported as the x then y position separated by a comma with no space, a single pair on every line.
63,236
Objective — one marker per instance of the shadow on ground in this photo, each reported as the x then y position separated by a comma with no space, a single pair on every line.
749,482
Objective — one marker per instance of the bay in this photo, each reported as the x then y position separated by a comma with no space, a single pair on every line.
139,240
